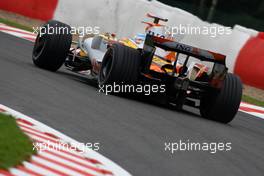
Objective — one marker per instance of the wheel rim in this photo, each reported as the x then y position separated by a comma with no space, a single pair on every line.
39,45
107,65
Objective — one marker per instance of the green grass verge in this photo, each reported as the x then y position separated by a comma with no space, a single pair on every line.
251,100
15,24
15,146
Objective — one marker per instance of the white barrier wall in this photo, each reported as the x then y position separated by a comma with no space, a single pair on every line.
120,16
124,18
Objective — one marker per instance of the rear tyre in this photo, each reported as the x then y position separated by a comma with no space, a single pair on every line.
222,106
120,65
51,49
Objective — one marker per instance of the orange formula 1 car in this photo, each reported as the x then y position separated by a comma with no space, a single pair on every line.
187,73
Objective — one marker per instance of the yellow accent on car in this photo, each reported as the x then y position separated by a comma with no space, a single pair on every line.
82,53
128,43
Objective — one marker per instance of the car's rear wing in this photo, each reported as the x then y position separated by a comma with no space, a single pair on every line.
219,69
204,55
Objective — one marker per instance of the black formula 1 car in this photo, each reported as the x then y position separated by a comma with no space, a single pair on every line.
187,73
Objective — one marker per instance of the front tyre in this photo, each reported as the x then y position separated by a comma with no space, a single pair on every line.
52,45
222,106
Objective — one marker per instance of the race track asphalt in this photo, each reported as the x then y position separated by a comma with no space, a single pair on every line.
130,132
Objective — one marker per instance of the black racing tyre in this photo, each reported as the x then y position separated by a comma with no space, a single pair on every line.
120,64
51,49
222,106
